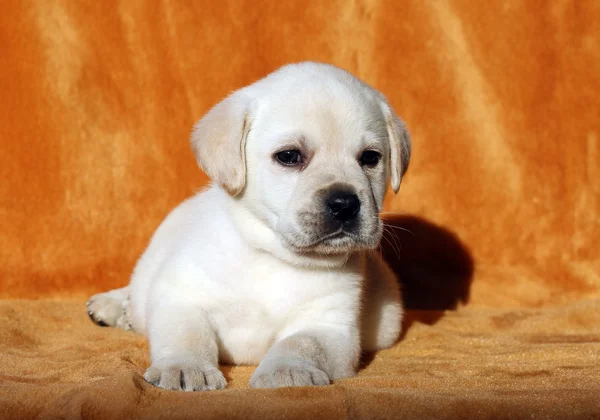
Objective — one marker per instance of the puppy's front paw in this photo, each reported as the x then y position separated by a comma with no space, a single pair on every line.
277,374
104,309
185,376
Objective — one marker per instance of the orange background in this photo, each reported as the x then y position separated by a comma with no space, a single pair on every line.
98,99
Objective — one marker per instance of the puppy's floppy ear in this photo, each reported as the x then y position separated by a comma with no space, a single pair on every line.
219,141
399,145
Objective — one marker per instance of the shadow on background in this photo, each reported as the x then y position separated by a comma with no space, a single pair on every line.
433,265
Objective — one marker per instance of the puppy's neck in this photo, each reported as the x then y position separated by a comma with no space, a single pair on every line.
261,237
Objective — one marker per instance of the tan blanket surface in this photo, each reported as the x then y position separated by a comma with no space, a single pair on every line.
469,363
501,201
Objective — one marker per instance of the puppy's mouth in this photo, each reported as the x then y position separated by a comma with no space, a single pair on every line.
337,242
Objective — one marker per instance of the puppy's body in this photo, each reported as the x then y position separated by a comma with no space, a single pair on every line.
273,265
250,297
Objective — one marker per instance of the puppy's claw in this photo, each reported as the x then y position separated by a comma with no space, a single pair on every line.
96,320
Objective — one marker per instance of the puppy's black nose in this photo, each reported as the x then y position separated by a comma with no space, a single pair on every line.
343,206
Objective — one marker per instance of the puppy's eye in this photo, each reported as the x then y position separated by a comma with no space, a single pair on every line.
370,158
289,157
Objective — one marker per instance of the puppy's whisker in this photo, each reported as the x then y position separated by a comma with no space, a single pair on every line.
392,246
400,228
387,225
397,242
391,233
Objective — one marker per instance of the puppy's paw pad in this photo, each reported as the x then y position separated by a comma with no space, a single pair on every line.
185,377
284,375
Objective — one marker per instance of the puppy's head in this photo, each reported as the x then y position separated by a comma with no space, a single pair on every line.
309,151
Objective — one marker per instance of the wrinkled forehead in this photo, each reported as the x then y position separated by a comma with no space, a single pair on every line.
325,117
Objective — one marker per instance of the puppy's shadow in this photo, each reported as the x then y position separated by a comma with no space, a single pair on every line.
434,267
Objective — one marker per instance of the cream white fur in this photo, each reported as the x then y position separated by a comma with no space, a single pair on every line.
236,274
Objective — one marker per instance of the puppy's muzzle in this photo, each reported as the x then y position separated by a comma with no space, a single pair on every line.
343,207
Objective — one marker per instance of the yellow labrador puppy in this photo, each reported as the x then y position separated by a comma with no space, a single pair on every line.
273,263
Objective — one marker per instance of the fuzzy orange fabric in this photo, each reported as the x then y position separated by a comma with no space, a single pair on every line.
487,363
502,200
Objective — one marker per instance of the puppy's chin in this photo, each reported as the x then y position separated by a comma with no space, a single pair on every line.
334,244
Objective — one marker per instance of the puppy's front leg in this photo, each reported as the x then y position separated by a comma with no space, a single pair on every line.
309,357
183,350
